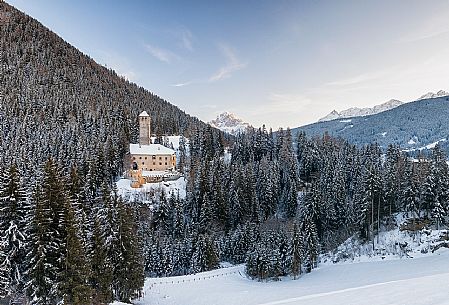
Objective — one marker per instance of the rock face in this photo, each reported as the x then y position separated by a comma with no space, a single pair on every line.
230,123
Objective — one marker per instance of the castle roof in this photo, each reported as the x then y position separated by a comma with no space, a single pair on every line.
144,113
152,149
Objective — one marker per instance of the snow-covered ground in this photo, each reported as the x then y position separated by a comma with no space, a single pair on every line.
403,268
418,281
149,191
388,245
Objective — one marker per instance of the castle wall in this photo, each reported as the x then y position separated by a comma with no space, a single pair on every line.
154,162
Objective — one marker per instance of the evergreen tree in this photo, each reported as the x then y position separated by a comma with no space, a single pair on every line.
13,222
75,286
296,252
129,273
48,236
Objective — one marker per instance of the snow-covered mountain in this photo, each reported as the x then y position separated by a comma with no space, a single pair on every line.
230,123
355,111
415,126
428,95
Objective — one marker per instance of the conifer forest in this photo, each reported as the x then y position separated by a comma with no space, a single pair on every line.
273,200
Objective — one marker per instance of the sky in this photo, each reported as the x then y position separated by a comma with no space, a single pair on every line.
278,63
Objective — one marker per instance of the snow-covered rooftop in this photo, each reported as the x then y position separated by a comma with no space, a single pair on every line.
152,149
144,113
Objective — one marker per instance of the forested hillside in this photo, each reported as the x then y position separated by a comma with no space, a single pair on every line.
65,125
56,101
412,126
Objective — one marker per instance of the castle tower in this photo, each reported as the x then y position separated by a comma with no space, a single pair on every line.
144,128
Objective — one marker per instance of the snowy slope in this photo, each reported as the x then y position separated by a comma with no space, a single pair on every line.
412,126
391,104
419,281
229,123
356,112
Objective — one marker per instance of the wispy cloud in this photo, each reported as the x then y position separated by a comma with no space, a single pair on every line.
163,55
436,25
186,39
182,84
232,64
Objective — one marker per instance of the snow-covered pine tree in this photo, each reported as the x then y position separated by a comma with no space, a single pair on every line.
129,272
47,239
296,252
13,222
75,285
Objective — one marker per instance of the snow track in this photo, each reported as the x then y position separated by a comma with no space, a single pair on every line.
407,282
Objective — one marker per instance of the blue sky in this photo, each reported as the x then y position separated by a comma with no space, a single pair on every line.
279,63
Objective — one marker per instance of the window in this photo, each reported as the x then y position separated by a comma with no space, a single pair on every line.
154,163
143,163
145,158
134,158
160,158
140,158
165,163
160,163
154,157
165,158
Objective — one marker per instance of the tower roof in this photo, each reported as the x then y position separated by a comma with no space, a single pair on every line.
144,113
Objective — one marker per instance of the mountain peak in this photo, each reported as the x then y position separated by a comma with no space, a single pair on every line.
230,123
428,95
355,111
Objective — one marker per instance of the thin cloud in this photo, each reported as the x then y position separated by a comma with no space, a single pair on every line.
437,25
182,84
161,54
186,39
232,64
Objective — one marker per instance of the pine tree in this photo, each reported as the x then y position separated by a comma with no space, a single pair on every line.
296,253
102,273
129,273
205,256
75,286
48,238
13,221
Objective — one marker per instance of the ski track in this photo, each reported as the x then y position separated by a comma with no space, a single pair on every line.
324,294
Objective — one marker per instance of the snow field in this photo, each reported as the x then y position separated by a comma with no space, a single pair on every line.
418,281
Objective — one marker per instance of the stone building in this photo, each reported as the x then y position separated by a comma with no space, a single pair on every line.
149,162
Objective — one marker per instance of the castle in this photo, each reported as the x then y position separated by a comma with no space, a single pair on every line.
149,162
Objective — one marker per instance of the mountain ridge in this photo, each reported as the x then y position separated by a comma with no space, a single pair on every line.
355,111
413,126
393,103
